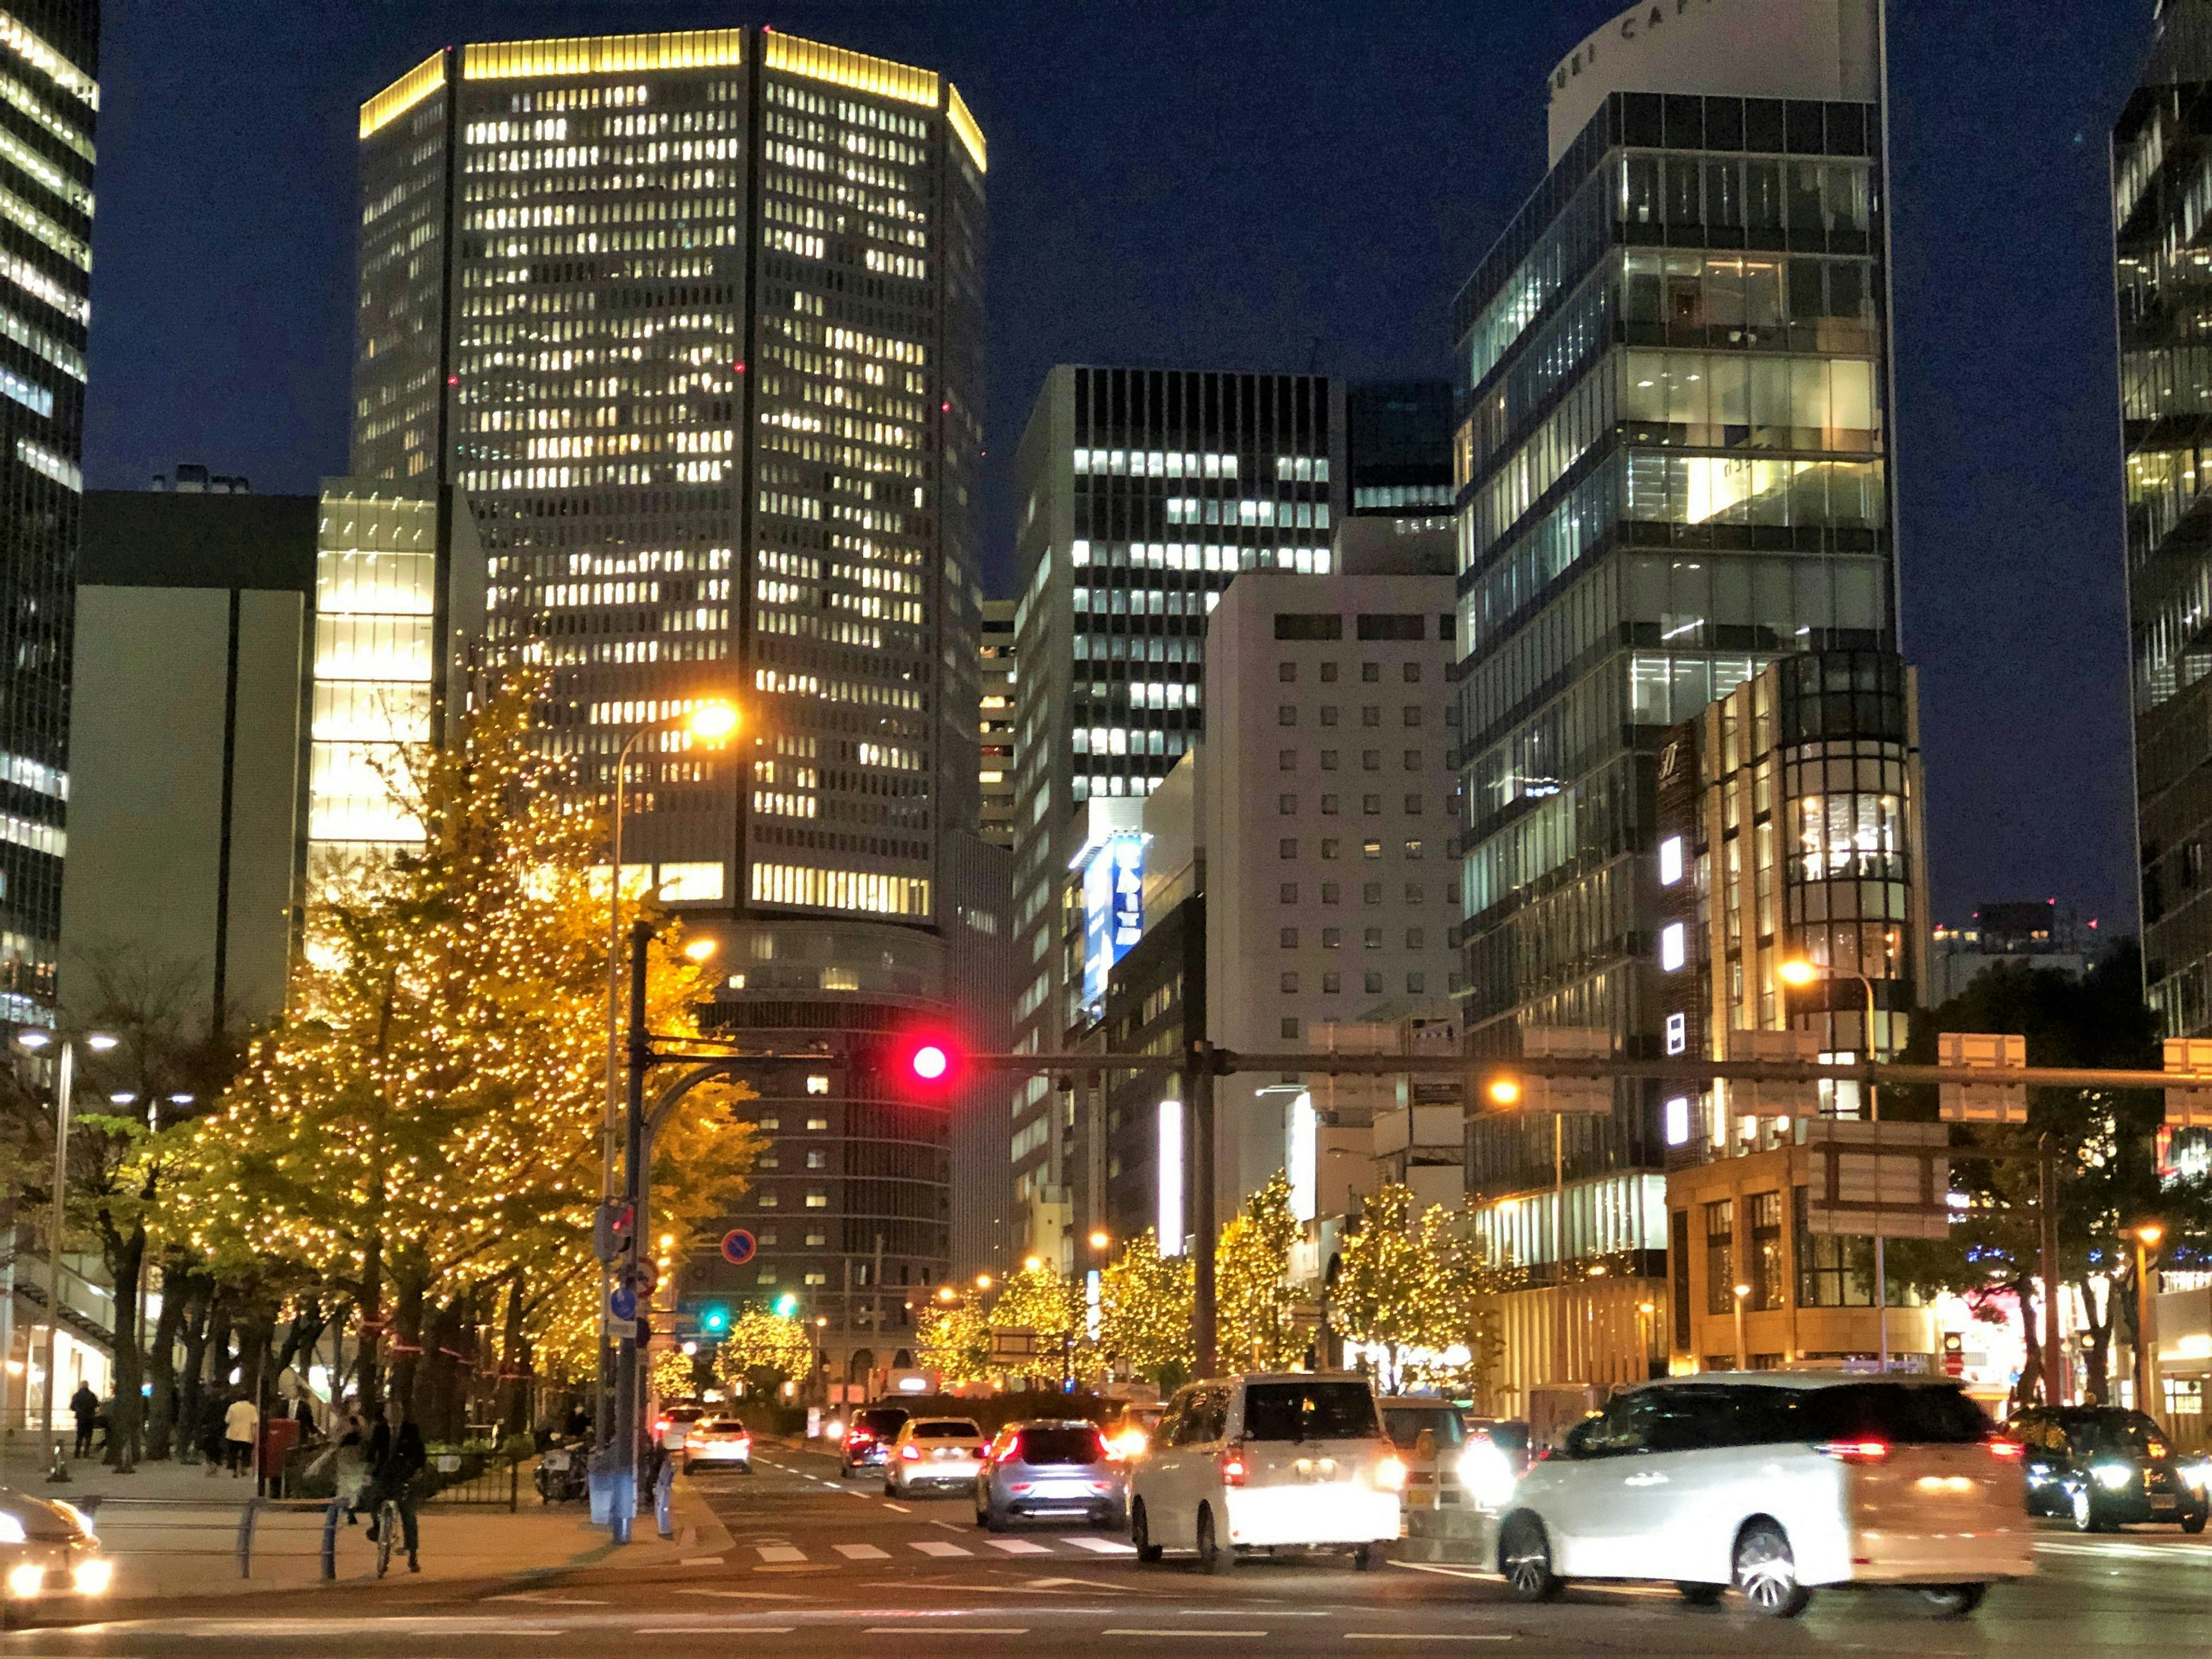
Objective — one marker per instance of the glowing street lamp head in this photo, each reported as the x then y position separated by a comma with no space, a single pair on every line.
700,948
99,1043
1504,1091
983,1281
1098,1241
34,1039
713,722
1798,973
2150,1232
1032,1264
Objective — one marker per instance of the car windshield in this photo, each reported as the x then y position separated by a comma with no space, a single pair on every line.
683,1414
1404,1424
1060,1445
1901,1413
722,1426
1309,1411
2128,1434
879,1422
951,1428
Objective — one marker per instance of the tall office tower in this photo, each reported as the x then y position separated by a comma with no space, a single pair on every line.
1672,466
49,102
1397,447
690,326
1143,492
2160,247
994,725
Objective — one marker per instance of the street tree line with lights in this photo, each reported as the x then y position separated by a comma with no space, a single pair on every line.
403,1169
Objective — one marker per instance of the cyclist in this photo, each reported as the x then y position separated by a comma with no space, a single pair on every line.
396,1456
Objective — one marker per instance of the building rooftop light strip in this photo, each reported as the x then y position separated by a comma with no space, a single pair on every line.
402,94
856,70
955,112
602,54
41,56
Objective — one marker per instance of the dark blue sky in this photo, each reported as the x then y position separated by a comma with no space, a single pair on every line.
1264,183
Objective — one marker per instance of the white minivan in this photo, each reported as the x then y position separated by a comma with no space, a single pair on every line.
1775,1482
1285,1462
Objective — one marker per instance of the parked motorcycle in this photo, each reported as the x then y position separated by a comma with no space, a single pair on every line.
561,1469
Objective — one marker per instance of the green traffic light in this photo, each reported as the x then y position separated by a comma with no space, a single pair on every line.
715,1320
786,1305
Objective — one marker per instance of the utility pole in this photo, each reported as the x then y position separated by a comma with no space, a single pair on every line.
1198,1090
627,1424
2046,1215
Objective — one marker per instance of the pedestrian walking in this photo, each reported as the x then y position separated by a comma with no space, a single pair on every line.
240,1424
84,1405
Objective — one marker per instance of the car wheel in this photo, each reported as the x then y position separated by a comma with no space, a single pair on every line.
1767,1572
994,1522
1369,1557
1140,1534
1953,1600
1211,1558
889,1491
2087,1517
1524,1557
1699,1595
2193,1522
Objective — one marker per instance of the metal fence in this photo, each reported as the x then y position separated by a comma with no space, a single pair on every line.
141,1526
468,1480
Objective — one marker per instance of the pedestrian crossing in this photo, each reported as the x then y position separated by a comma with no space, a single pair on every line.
944,1549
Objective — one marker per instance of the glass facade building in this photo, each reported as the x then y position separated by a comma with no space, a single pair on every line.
1398,446
2161,187
677,339
1674,469
49,107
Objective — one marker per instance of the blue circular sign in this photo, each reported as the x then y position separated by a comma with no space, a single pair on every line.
737,1247
624,1302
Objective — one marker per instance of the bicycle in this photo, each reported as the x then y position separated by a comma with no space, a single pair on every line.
387,1529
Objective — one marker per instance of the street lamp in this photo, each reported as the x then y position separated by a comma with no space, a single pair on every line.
1742,1353
2147,1238
983,1281
1098,1240
713,723
36,1040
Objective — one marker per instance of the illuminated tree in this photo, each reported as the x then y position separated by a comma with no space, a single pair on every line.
1037,1299
674,1374
1416,1293
421,1134
955,1341
1252,1280
1147,1305
763,1351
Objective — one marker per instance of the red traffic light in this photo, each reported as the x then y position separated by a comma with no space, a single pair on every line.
929,1061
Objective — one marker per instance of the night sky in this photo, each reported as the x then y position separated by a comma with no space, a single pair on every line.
1264,185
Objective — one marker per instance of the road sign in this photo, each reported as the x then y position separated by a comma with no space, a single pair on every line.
622,1303
1975,1103
738,1246
2189,1109
1011,1344
1885,1180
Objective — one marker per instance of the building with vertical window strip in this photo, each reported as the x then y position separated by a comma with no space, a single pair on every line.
49,106
994,725
677,338
1142,493
1673,463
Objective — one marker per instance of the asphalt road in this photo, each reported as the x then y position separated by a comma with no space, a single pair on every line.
825,1567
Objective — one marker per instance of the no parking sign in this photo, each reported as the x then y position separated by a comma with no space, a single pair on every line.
737,1247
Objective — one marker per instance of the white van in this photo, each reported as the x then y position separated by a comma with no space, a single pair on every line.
1288,1461
1775,1482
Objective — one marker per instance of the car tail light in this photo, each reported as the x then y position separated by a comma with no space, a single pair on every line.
1390,1474
912,1454
661,1426
2007,1449
860,1437
1856,1451
1232,1468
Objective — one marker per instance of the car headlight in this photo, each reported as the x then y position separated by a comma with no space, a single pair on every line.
2197,1474
2112,1476
11,1528
1390,1474
93,1577
26,1579
1486,1473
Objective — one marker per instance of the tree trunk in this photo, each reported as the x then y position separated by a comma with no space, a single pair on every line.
2098,1352
2031,1381
162,1365
192,1391
514,1384
125,1414
440,1383
407,1339
368,1382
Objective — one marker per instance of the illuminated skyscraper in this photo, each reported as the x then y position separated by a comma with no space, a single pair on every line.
49,102
688,328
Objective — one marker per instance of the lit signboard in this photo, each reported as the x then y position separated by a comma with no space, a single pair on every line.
1113,907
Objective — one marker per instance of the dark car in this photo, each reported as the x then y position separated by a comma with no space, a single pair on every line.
1049,1471
2101,1467
868,1439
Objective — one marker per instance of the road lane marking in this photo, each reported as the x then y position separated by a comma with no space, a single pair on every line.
1183,1632
901,1508
862,1552
743,1595
779,1553
701,1630
1019,1546
937,1546
700,1561
946,1630
1103,1545
1421,1635
547,1597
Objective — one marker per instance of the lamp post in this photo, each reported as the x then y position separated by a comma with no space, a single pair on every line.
1801,973
712,723
1742,1353
65,1086
2147,1389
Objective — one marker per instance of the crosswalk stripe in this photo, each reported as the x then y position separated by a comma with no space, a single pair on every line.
1019,1547
862,1552
779,1553
937,1546
1102,1545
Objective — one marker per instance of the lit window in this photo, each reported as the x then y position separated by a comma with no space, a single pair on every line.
1678,1033
817,1198
1678,1120
817,1123
817,1278
768,1201
1673,946
1670,860
817,1086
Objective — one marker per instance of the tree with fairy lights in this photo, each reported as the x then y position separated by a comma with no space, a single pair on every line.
764,1350
955,1341
1252,1279
1147,1307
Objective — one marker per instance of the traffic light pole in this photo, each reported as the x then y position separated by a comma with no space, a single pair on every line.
628,1424
1198,1090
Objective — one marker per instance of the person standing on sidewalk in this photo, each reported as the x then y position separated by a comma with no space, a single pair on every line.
396,1456
239,1425
84,1404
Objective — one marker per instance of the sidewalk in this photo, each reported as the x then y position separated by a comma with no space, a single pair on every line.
173,1530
